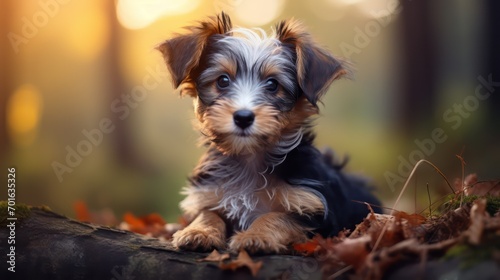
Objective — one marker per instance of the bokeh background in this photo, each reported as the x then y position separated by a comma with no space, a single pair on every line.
68,65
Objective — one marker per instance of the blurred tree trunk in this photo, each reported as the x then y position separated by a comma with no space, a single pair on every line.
418,64
6,70
492,47
117,87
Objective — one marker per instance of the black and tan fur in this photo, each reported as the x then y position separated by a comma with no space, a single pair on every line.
261,186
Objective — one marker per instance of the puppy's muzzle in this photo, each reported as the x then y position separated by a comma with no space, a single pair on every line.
243,118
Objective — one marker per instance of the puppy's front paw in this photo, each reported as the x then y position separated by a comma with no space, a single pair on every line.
198,239
257,242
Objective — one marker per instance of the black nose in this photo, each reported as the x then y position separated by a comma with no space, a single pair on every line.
243,118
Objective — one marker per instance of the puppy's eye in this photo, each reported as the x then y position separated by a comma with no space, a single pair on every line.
271,85
223,81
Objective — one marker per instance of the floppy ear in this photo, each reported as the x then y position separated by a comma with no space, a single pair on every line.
182,53
316,68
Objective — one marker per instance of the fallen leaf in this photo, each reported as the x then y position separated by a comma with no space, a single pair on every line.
478,216
152,224
82,212
214,257
449,225
372,223
134,223
243,260
484,188
412,219
153,218
308,247
353,251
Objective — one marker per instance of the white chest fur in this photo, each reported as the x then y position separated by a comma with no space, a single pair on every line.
243,204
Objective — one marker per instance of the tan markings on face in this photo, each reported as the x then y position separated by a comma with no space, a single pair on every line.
219,117
199,109
269,70
296,118
227,65
267,123
188,89
218,124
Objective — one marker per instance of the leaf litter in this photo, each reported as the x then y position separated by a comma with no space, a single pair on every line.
470,218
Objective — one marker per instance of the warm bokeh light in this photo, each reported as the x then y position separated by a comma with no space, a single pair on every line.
348,2
88,36
331,10
23,114
258,12
79,62
378,8
134,14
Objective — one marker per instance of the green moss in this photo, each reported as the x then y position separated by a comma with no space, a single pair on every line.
492,202
45,208
21,211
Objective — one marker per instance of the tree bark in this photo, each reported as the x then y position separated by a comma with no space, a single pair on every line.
51,246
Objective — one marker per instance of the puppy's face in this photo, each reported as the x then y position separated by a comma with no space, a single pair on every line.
251,90
246,91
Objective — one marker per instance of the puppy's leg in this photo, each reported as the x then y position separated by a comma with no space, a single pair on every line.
206,232
269,233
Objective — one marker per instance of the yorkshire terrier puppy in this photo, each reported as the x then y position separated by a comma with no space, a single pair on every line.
261,186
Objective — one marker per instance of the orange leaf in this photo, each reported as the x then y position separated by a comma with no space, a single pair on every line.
214,257
308,247
135,224
353,251
413,219
153,218
243,260
81,210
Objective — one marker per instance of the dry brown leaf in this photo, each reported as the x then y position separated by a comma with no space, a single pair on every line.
449,225
484,188
412,219
215,256
410,225
393,233
243,260
478,216
353,251
102,217
472,186
82,211
307,248
370,223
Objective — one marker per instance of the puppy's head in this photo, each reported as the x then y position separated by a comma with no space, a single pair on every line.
252,91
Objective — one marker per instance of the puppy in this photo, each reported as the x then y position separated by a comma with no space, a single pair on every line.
262,185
